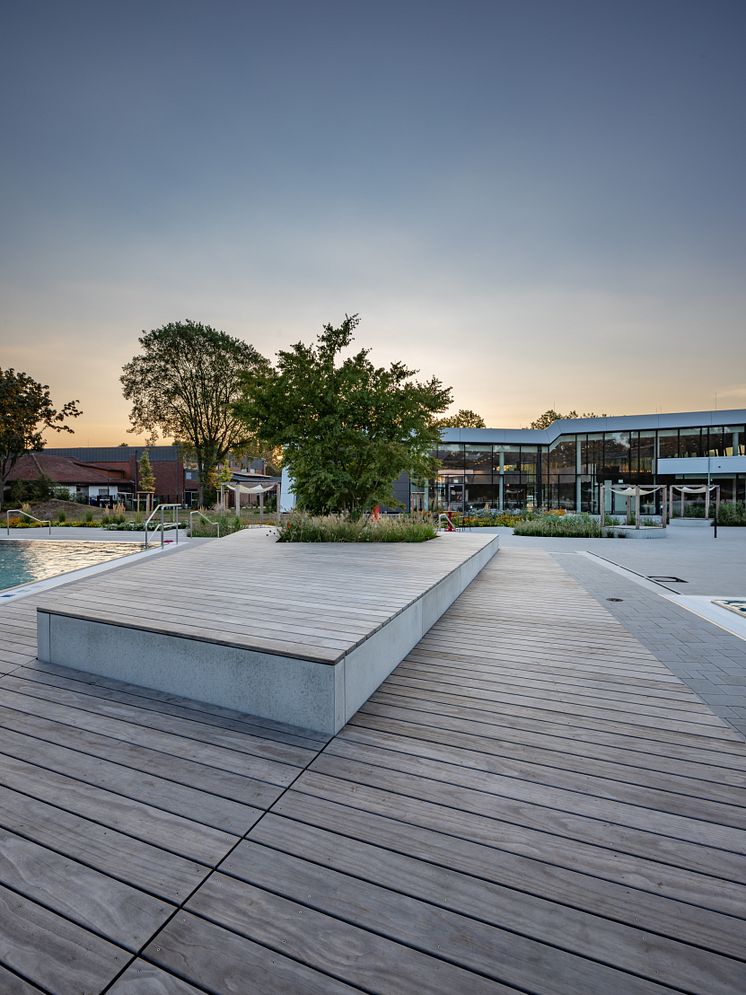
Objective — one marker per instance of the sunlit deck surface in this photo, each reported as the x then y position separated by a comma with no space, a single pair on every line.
531,802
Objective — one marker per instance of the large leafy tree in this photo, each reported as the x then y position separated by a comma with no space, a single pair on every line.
184,383
347,428
26,411
464,418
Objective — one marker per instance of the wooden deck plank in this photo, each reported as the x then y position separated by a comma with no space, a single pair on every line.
574,753
637,787
642,740
563,888
537,805
371,886
134,861
271,743
222,961
142,978
63,707
708,882
278,760
53,952
96,901
12,984
54,724
179,834
343,950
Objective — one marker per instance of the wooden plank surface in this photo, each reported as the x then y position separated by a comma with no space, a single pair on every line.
531,802
311,601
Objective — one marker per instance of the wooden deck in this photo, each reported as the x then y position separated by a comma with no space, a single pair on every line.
309,601
531,802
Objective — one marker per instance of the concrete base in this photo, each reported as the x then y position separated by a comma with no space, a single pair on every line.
320,696
630,532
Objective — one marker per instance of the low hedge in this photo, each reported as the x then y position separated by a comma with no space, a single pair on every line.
338,528
732,513
579,526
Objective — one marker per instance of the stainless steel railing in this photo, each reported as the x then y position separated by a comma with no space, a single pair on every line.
209,522
20,511
161,510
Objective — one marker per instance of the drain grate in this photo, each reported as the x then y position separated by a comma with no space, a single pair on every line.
663,579
615,599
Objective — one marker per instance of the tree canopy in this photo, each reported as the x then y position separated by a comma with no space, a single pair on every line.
26,410
550,416
348,428
184,383
464,418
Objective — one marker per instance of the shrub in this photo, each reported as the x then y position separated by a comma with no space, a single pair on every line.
580,526
228,523
732,513
88,516
300,527
61,516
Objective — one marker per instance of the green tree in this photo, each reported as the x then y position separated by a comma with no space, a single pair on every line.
347,428
184,384
146,482
26,411
550,416
464,418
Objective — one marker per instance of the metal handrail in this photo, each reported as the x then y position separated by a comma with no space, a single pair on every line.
20,511
209,522
162,509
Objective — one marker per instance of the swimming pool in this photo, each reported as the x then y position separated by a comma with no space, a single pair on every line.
24,561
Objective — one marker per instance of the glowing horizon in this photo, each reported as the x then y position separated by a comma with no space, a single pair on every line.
540,204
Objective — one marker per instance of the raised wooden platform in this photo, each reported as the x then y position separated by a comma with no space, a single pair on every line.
298,633
532,802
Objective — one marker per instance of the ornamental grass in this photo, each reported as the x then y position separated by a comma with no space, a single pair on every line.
579,526
300,527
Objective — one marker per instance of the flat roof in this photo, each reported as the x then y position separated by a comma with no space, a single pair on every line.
615,423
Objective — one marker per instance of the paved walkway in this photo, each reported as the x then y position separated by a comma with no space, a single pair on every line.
532,802
708,659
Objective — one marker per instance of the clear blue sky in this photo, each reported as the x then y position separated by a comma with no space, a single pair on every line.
540,202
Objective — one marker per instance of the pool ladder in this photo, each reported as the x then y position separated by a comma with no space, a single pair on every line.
162,508
20,511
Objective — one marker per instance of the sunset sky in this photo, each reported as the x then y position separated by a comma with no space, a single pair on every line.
542,203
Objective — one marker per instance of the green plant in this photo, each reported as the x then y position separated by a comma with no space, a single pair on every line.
61,516
228,523
347,427
732,513
89,516
300,527
183,384
581,526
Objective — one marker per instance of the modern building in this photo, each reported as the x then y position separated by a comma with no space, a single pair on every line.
564,465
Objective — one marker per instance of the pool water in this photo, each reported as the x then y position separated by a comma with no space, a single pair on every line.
24,561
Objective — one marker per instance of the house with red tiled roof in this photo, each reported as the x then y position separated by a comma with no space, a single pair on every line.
83,481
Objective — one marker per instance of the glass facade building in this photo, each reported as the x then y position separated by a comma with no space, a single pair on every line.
563,466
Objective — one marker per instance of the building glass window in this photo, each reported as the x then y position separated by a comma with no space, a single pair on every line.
478,460
646,452
451,456
690,443
562,456
512,460
668,443
616,455
591,453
